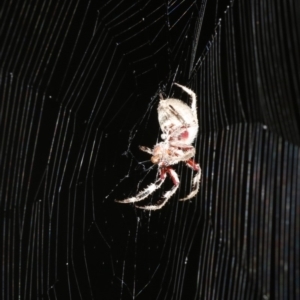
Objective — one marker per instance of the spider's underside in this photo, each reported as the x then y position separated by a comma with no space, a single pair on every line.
179,125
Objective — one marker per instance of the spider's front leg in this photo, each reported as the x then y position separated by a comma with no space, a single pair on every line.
168,194
196,180
146,149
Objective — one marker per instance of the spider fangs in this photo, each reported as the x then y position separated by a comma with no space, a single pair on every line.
179,125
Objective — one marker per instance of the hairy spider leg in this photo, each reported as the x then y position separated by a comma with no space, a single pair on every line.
196,180
189,151
181,155
169,193
193,98
147,191
146,149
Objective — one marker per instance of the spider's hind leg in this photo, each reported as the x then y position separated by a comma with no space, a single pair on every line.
196,180
192,95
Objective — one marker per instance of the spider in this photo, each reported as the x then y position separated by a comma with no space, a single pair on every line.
179,125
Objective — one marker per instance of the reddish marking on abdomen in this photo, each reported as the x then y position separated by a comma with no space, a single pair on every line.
184,135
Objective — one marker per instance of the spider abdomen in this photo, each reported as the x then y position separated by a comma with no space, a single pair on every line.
176,119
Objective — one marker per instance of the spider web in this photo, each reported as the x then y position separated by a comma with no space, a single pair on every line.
79,90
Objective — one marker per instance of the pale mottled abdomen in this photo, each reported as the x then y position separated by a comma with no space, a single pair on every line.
177,118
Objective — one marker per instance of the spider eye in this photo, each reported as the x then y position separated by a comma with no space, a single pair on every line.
163,136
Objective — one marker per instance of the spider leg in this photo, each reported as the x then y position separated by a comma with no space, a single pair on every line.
183,154
196,180
146,192
146,149
168,194
181,145
188,154
193,97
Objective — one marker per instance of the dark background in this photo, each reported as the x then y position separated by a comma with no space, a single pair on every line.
79,91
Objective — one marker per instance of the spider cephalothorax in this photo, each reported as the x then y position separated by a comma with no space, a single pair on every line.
179,125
